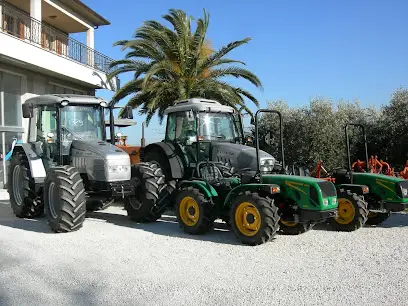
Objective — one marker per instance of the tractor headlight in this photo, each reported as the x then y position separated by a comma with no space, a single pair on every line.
267,164
325,202
402,189
116,169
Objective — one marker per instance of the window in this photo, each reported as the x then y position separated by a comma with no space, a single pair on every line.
46,122
218,126
180,127
10,118
12,99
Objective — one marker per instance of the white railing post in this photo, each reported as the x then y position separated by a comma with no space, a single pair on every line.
35,13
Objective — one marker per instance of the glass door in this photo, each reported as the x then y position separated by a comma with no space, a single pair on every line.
10,119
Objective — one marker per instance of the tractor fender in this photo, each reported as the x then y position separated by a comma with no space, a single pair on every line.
353,188
269,189
206,189
36,164
173,162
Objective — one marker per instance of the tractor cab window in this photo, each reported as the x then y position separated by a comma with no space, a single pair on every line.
218,127
81,123
46,123
181,128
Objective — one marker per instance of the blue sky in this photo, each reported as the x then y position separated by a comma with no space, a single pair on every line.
299,49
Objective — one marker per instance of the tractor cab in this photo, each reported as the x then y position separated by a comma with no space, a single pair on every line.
197,125
205,130
55,122
58,120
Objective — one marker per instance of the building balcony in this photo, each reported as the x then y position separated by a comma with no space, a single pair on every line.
43,47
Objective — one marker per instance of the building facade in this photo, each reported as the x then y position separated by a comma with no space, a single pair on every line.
38,56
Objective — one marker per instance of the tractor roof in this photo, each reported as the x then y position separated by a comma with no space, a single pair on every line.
199,105
58,98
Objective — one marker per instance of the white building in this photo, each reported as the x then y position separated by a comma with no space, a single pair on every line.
37,56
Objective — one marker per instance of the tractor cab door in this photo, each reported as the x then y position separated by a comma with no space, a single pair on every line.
181,130
43,134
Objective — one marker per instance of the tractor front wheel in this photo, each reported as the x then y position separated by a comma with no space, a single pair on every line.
375,218
254,219
25,202
64,199
352,213
148,181
194,211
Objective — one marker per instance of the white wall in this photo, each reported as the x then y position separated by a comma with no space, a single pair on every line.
34,84
28,53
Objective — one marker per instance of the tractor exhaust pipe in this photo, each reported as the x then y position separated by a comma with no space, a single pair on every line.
348,143
257,135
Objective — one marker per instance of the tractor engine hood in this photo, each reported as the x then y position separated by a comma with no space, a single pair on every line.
240,156
100,160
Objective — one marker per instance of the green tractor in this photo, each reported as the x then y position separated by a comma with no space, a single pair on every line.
387,193
211,174
382,194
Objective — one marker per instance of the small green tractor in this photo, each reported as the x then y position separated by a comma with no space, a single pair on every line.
210,174
67,167
385,193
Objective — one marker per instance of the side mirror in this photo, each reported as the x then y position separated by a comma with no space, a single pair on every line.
128,112
28,110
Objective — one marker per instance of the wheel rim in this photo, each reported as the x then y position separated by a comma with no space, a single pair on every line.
346,211
17,183
51,200
189,211
136,200
288,223
247,219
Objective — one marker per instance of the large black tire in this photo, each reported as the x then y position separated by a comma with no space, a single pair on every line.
25,202
253,206
352,212
377,218
64,199
160,160
294,228
148,179
194,211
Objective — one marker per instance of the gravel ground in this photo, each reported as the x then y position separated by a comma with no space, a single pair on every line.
112,261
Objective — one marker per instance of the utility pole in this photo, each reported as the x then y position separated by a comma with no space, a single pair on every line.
143,141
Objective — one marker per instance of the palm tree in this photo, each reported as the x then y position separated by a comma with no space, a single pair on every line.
174,64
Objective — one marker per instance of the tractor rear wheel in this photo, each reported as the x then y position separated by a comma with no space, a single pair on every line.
64,199
25,201
254,218
148,179
294,228
352,213
194,211
375,218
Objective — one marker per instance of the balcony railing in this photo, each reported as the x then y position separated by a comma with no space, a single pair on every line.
19,24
